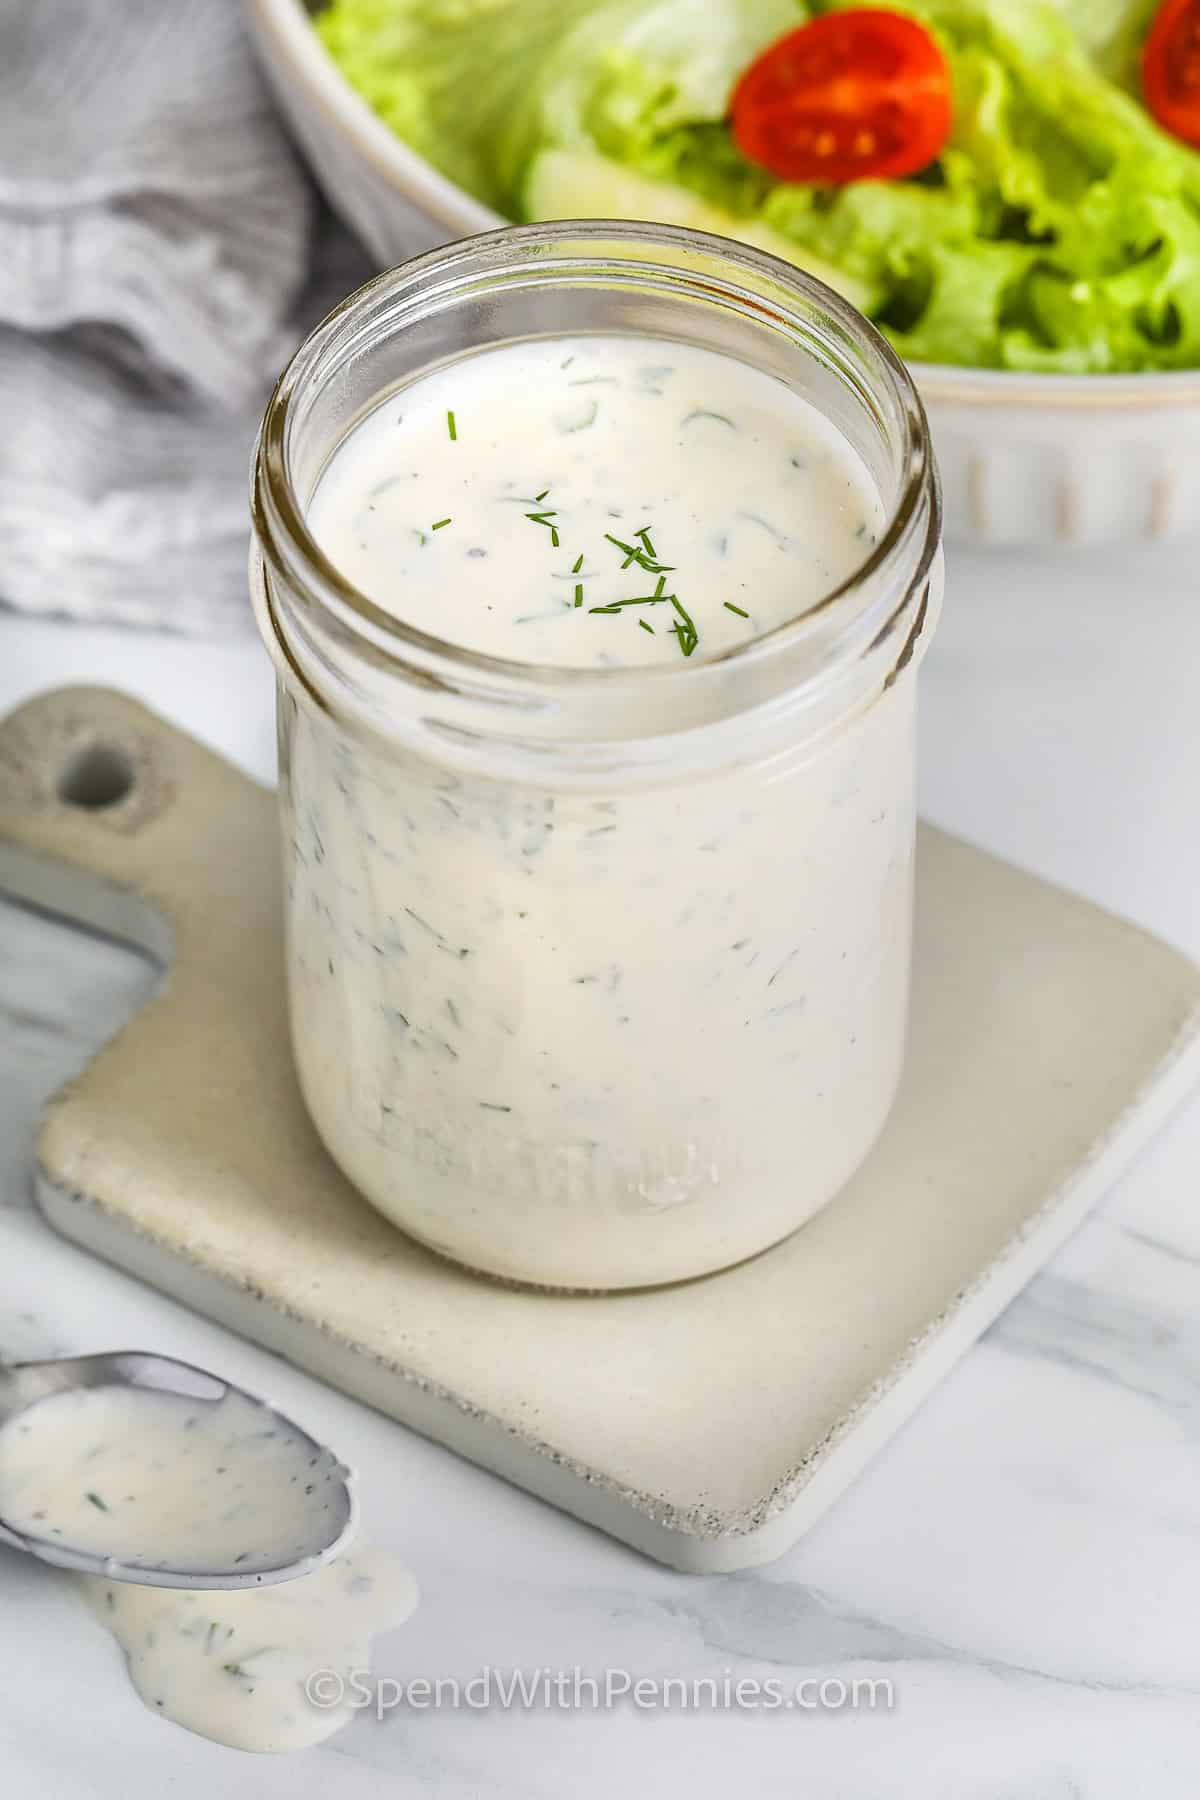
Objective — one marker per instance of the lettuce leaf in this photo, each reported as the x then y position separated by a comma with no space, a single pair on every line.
1111,31
478,86
1059,230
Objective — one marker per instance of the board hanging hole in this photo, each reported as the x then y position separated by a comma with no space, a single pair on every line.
95,778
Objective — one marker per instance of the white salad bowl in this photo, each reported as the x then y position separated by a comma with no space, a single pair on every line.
1028,461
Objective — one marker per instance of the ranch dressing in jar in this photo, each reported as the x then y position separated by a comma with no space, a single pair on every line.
599,896
596,502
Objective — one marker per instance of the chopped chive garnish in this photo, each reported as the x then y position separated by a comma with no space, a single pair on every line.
636,553
451,427
579,593
740,611
438,523
685,627
540,497
646,626
547,519
577,565
635,600
644,534
97,1501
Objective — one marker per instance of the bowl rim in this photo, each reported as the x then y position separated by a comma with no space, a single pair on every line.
288,25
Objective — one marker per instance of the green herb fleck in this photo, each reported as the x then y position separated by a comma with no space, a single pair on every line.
636,553
789,958
547,519
452,427
740,611
702,412
685,627
425,925
757,519
578,564
97,1502
646,626
579,593
538,498
438,523
657,598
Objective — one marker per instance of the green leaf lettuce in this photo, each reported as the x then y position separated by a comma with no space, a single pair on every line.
1059,230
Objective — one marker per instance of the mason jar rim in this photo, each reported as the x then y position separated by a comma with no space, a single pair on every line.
292,553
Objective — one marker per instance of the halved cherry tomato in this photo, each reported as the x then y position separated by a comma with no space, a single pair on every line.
851,96
1171,69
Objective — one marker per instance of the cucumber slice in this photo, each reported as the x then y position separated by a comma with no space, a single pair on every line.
577,184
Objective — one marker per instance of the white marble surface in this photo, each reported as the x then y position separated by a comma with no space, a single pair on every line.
1023,1562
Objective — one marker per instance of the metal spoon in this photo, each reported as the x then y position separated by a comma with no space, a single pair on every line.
23,1385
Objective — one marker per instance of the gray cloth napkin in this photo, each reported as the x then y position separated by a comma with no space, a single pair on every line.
160,255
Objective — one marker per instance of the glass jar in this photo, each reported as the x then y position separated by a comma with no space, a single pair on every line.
598,977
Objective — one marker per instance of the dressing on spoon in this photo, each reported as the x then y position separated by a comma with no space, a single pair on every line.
215,1519
152,1481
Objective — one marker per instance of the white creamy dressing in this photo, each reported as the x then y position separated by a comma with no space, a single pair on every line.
500,537
234,1666
582,1037
166,1481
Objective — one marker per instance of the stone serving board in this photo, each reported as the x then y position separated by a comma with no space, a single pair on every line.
708,1424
